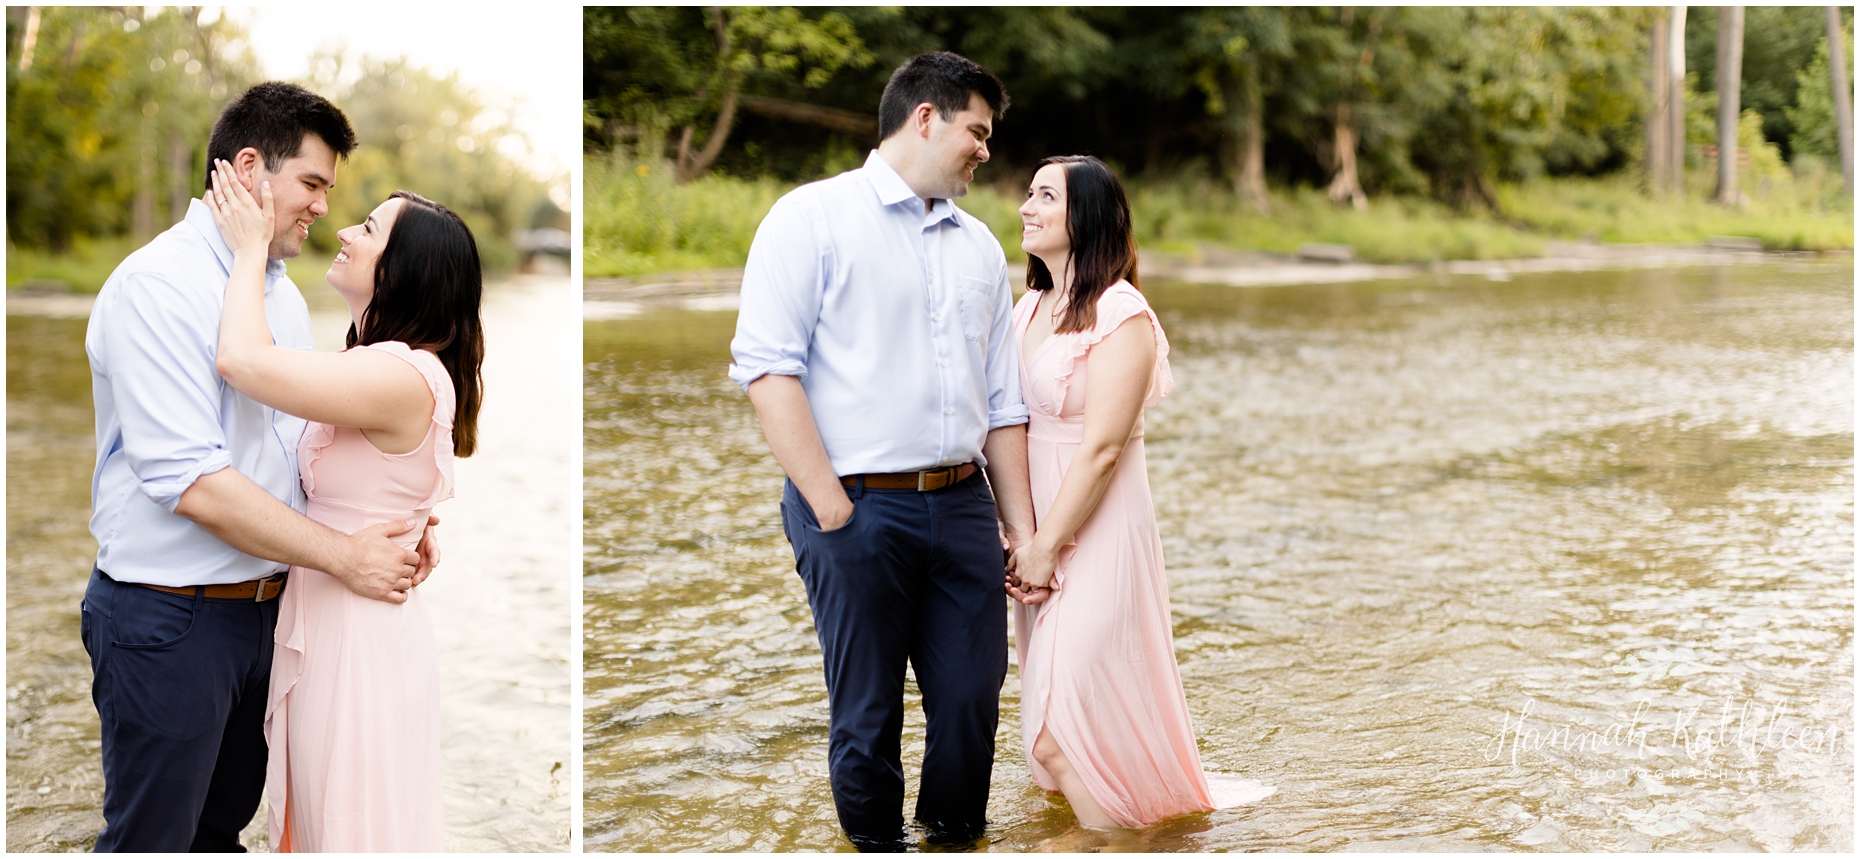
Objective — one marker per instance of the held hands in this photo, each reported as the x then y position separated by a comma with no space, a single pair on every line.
245,222
1030,571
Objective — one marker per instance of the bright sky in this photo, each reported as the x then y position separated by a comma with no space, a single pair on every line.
524,58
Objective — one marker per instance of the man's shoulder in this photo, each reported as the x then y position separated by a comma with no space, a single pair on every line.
179,257
832,191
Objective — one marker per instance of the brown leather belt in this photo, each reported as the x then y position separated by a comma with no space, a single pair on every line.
922,481
258,590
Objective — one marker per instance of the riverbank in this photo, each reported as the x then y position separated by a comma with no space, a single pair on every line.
638,222
715,289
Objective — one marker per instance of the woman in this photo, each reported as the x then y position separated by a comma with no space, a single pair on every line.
1103,715
353,716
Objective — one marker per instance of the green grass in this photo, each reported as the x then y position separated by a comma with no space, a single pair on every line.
85,267
639,222
1800,210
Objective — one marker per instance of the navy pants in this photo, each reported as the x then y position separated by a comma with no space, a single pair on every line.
180,684
912,576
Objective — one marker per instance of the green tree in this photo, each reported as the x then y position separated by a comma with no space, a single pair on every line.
1812,116
1234,55
431,135
656,70
107,114
1528,89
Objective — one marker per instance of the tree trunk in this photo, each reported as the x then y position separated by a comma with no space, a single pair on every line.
713,145
1657,93
1676,103
180,171
142,205
1344,187
1730,80
1251,182
690,167
1843,96
830,118
30,39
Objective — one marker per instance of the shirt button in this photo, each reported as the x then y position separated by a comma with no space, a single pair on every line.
936,317
944,362
949,411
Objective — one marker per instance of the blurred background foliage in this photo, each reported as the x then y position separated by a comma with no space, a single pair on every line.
695,119
108,113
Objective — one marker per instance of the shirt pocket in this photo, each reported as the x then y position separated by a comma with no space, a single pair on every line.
976,299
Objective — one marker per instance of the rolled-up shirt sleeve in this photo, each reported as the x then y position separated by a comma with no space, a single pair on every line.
780,302
1005,406
159,343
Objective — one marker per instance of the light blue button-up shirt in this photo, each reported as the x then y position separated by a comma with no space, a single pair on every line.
897,322
164,415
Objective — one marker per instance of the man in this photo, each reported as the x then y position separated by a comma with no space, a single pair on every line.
196,504
874,343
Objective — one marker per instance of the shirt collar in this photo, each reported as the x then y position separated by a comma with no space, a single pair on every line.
892,190
201,220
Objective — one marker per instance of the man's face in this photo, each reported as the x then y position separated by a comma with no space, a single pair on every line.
299,193
957,146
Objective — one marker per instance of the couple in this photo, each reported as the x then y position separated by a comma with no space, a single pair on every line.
876,343
227,452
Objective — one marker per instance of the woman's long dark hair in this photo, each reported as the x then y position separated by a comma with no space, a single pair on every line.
428,286
1104,245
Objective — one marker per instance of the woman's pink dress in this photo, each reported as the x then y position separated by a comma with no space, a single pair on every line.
353,718
1097,660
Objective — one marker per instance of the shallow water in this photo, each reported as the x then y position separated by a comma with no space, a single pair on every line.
501,600
1564,563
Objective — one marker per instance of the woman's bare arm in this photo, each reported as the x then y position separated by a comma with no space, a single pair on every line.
1119,368
361,388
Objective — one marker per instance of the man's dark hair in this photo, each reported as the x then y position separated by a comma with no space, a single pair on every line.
944,80
273,118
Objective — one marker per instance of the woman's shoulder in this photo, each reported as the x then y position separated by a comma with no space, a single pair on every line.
423,360
1118,303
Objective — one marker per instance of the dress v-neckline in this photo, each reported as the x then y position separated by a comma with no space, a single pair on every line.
1026,356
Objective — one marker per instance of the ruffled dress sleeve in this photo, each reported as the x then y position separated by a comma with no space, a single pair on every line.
1116,305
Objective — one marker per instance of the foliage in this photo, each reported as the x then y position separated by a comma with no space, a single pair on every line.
430,135
1444,101
1806,211
651,70
1812,117
108,112
106,109
636,219
1776,41
640,222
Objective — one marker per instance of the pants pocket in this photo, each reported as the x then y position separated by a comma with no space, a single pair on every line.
148,619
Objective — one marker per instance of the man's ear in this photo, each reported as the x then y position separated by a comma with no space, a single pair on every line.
245,166
920,119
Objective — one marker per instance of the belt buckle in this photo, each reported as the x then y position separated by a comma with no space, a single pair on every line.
947,473
259,596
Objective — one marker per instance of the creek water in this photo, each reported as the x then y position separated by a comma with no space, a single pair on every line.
501,600
1563,563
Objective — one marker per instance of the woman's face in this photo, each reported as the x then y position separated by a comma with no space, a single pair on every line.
1043,216
353,272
